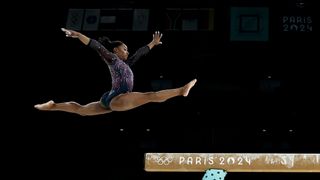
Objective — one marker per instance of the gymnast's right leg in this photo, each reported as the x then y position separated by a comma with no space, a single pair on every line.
94,108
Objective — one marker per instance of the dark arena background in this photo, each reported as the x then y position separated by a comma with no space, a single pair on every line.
256,62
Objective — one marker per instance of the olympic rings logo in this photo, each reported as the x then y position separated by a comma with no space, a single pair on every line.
163,160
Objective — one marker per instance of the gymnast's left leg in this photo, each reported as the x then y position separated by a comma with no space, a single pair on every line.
124,102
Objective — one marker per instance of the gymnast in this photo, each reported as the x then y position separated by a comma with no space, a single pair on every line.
121,97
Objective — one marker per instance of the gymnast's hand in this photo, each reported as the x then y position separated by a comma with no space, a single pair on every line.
70,33
157,38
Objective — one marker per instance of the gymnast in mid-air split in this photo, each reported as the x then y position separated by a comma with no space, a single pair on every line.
120,98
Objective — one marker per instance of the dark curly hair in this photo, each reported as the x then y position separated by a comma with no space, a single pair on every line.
107,43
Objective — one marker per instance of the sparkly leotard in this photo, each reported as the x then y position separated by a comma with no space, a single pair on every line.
121,73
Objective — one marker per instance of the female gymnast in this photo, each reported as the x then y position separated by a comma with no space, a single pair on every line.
120,97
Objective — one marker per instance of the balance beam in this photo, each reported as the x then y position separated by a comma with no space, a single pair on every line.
231,162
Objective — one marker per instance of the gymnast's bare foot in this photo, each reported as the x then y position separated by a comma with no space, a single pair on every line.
45,106
187,87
